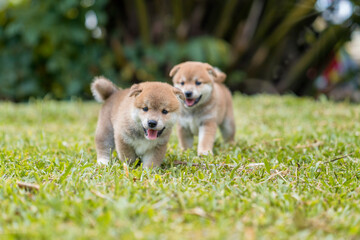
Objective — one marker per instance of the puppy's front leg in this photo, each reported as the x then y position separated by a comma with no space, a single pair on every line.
154,157
186,138
207,132
124,151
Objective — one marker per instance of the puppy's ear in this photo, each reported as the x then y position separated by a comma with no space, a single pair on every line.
174,70
178,93
221,76
210,70
135,90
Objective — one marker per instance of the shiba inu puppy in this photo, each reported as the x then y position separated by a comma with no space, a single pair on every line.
207,104
136,122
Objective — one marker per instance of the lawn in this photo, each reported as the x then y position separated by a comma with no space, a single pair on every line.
307,186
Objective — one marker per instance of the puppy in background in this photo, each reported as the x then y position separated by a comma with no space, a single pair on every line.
136,122
207,105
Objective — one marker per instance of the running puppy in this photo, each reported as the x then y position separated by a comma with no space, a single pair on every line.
208,104
136,122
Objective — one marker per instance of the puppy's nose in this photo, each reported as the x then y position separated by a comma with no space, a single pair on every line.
188,94
152,123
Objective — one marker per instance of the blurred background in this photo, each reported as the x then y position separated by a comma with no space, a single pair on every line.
54,48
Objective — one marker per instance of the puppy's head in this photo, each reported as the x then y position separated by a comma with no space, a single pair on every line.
196,80
155,107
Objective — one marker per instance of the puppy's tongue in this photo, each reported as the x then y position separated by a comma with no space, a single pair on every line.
152,134
189,102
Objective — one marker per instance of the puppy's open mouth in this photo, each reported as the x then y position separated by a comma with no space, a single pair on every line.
192,101
153,134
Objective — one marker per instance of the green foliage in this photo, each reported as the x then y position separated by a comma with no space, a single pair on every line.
47,49
144,62
298,194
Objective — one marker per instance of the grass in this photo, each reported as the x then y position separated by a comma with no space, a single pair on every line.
299,193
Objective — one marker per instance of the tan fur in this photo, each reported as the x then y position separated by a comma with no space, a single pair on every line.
214,107
102,88
122,121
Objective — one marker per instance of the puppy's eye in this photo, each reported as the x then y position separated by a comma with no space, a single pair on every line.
164,111
197,83
145,109
182,83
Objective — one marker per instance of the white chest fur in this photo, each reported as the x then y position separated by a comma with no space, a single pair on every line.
191,123
193,119
142,146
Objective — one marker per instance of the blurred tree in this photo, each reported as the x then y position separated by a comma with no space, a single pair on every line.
56,48
46,48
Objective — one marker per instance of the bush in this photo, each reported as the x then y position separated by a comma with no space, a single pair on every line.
56,48
45,48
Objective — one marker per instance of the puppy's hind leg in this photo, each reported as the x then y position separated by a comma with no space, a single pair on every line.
104,140
186,139
227,127
104,147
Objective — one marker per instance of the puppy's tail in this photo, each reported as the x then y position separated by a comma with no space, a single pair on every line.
102,89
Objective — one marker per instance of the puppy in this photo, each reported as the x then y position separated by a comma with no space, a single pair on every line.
208,104
136,122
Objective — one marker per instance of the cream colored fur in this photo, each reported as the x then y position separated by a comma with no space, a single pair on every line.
213,105
123,121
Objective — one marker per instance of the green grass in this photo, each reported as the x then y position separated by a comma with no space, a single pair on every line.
297,194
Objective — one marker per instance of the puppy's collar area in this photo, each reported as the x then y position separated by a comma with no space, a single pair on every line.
190,102
152,134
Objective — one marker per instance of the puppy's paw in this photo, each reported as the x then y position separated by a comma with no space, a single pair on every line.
103,161
205,152
151,167
231,142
